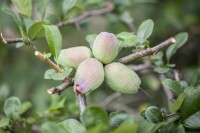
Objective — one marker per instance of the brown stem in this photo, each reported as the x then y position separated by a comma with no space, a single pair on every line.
60,88
47,61
108,8
148,51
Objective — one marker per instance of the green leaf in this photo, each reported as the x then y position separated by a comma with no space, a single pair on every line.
145,30
93,116
51,127
153,114
196,79
4,122
177,104
36,30
25,6
179,129
90,39
72,126
126,39
161,69
57,103
67,5
41,6
52,74
173,85
25,107
181,38
126,17
129,128
116,118
159,125
193,122
12,107
191,104
19,21
54,39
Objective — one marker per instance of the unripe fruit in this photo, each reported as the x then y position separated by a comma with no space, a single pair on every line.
121,78
89,76
72,57
105,47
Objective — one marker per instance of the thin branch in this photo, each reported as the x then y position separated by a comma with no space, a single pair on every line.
176,75
108,8
48,61
82,102
146,52
140,67
60,88
110,98
10,40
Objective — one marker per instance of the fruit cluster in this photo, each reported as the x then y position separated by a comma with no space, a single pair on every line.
92,71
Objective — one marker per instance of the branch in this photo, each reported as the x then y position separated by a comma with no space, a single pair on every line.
110,98
60,88
146,52
176,75
82,102
48,61
140,67
108,8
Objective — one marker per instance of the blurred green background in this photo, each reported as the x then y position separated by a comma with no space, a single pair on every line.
22,74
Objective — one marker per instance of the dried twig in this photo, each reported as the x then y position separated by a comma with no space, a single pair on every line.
108,8
48,61
60,88
140,67
148,51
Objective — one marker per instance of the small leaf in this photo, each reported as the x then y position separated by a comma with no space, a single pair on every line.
191,104
145,30
12,107
162,69
153,114
181,38
129,128
93,116
126,17
173,85
67,5
54,39
41,6
72,126
25,107
177,104
51,127
126,39
52,74
116,118
193,122
90,39
4,122
25,6
36,30
179,129
19,45
196,79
